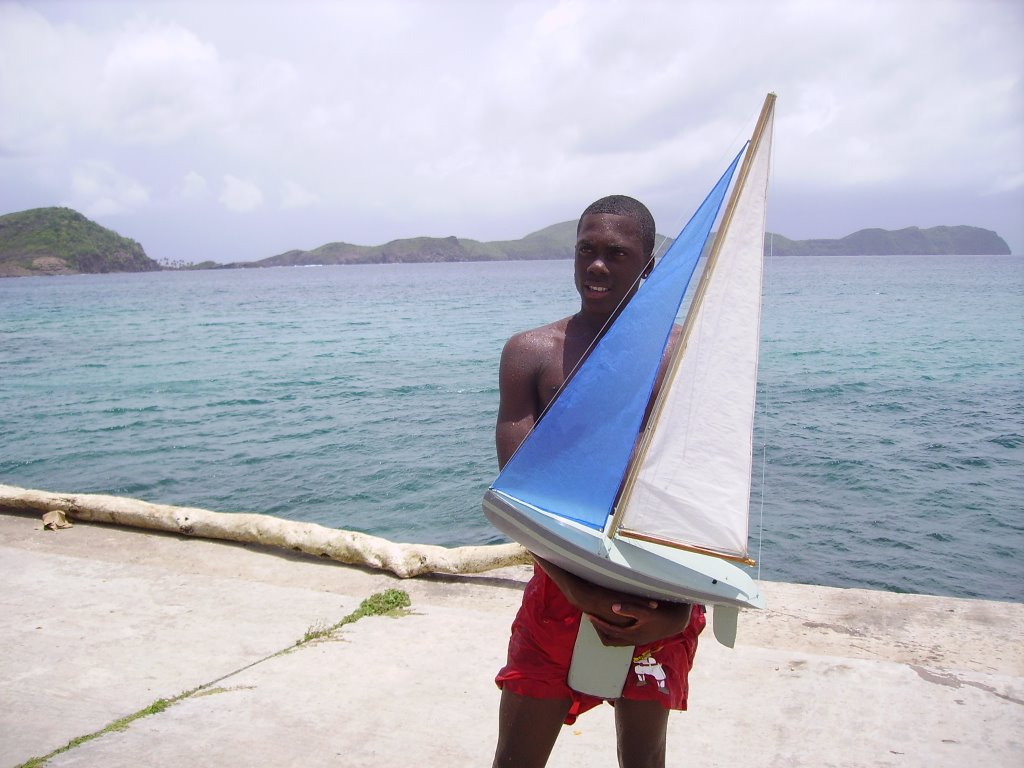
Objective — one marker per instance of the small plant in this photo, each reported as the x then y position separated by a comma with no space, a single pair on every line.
390,602
315,632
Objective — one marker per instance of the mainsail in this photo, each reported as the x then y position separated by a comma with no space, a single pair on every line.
686,489
691,486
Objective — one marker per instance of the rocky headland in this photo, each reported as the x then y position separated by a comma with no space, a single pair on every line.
61,241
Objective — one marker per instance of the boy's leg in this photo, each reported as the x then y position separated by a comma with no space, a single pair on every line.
640,727
527,729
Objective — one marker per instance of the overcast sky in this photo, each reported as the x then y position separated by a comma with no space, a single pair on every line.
238,130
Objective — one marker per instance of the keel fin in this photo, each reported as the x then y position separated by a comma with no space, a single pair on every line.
724,620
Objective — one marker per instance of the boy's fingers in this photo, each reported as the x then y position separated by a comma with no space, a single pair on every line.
618,607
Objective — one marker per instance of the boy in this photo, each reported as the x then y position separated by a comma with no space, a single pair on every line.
614,250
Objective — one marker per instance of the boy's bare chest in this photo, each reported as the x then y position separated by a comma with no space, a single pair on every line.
556,370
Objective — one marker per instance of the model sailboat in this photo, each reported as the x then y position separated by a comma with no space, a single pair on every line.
665,518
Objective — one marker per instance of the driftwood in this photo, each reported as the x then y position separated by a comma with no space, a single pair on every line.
350,547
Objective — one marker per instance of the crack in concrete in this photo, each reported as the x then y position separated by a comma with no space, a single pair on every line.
834,627
953,681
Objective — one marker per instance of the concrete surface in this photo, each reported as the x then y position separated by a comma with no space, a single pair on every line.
98,622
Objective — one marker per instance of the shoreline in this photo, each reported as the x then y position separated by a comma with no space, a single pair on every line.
102,621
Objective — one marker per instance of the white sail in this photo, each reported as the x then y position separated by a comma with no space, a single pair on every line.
686,494
691,485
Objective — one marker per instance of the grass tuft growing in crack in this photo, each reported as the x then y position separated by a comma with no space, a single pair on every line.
315,632
390,602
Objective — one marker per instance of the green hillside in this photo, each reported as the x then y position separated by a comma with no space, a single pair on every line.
554,242
60,241
960,241
557,242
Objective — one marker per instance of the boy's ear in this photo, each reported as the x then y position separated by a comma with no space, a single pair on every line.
647,270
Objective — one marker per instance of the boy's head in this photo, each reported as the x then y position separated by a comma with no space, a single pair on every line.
621,205
614,251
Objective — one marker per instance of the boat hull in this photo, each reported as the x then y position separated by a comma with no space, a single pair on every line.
636,567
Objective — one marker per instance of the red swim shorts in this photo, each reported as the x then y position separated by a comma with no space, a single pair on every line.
540,651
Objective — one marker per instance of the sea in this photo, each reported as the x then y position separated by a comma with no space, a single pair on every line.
889,438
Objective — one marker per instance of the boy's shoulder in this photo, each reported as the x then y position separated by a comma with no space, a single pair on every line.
551,333
541,341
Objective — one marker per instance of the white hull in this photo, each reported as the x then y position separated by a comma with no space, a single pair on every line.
628,565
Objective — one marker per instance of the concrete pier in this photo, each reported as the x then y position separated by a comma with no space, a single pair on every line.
99,622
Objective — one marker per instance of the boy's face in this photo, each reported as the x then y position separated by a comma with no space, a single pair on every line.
609,258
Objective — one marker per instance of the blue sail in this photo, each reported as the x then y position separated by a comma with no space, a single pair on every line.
574,460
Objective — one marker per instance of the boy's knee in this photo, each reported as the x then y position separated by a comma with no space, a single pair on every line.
641,728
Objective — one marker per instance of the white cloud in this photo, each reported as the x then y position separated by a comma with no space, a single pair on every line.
159,83
193,186
45,79
1007,183
240,195
296,196
100,190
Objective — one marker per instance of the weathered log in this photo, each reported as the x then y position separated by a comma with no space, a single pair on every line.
350,547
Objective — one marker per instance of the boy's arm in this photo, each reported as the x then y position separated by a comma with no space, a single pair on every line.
518,405
619,618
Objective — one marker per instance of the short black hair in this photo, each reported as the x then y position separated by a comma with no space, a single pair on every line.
621,205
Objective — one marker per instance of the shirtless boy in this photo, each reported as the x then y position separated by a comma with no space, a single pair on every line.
614,246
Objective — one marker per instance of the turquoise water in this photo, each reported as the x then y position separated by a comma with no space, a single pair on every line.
363,397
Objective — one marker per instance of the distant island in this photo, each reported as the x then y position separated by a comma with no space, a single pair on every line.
558,241
555,242
912,241
61,241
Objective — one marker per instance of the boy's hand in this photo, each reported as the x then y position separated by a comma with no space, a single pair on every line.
620,619
646,622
